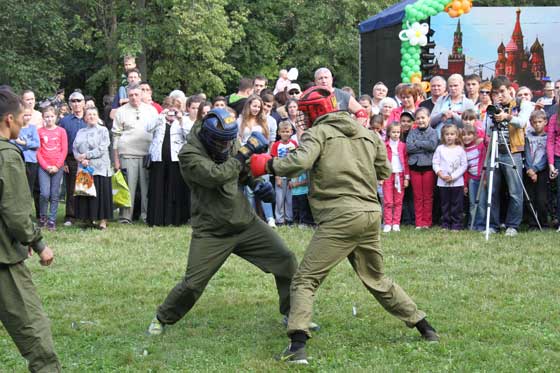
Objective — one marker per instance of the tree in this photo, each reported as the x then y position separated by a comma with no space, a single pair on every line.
34,44
187,45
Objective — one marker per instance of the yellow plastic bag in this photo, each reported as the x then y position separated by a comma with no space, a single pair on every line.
121,193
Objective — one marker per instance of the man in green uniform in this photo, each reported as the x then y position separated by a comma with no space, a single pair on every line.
21,312
344,160
223,222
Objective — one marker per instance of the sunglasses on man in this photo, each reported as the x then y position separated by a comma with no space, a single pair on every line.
294,92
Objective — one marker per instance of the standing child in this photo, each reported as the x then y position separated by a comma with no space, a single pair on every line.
28,143
536,170
450,163
300,203
420,146
51,156
281,149
393,187
476,154
470,117
376,125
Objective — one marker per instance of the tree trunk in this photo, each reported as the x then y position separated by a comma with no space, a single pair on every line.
141,58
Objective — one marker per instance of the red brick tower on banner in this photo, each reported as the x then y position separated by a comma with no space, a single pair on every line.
501,62
456,60
538,67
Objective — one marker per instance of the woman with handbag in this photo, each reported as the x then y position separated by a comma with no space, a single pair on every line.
169,198
91,150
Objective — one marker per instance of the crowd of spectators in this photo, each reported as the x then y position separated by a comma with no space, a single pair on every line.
436,144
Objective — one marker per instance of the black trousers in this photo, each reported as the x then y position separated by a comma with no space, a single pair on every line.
70,186
451,207
538,194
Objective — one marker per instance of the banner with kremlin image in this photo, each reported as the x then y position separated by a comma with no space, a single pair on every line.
521,43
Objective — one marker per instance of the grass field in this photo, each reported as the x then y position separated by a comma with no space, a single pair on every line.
495,305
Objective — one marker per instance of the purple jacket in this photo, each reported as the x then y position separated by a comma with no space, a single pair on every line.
553,139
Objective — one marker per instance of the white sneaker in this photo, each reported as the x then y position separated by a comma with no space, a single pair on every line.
271,223
386,228
558,230
68,223
510,232
396,228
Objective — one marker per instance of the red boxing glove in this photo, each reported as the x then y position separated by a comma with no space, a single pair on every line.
258,164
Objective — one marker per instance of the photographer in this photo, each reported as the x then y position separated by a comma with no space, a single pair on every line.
509,117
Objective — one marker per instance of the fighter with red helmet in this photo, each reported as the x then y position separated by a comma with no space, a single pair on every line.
344,161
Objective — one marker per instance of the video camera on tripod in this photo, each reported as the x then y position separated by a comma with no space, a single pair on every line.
492,110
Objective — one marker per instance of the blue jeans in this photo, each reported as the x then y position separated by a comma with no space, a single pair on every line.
507,173
480,212
50,191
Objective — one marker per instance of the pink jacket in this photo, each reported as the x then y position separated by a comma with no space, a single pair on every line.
403,157
553,139
481,148
54,147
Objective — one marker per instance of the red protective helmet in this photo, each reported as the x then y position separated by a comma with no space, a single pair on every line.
316,101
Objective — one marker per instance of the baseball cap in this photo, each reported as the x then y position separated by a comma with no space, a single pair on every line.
294,86
76,96
409,114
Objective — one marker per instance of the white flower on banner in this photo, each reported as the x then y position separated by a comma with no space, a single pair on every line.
415,34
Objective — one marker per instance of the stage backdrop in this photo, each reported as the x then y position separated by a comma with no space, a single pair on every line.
521,43
527,56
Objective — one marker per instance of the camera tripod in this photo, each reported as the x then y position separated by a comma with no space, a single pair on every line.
492,156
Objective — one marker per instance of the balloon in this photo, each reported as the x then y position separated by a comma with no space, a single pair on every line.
425,86
456,4
293,73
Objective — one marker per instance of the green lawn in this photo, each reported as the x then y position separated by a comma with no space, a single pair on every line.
495,305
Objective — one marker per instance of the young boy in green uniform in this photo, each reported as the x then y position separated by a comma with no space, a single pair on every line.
344,161
21,312
223,222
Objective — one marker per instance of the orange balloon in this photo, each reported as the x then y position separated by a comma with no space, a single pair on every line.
415,79
425,86
466,4
457,4
453,13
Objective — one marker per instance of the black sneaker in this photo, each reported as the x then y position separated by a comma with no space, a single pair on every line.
298,356
427,332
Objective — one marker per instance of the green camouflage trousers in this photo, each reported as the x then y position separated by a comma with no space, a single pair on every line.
258,244
354,236
23,317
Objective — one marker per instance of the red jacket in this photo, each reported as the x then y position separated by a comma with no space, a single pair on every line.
403,156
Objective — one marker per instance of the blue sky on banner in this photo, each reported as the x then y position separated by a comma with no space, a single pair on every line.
484,28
